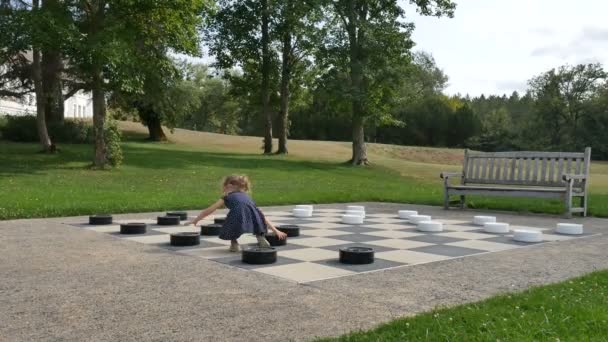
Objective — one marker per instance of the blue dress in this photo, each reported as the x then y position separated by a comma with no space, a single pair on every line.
243,217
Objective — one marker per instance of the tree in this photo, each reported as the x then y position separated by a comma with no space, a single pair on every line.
561,98
370,40
296,30
115,43
240,36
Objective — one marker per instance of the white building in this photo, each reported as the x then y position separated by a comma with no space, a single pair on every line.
79,106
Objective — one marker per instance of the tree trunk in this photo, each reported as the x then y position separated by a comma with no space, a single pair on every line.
285,79
43,134
99,117
357,60
52,85
100,159
155,129
265,90
359,147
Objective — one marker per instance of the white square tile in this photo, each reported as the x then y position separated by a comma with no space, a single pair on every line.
483,245
146,221
386,216
178,229
106,229
215,239
388,226
459,228
467,235
393,234
556,237
326,219
323,232
318,242
322,225
309,254
399,243
151,239
546,230
410,257
384,220
304,272
209,253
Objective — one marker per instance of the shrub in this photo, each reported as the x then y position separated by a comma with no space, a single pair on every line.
19,128
112,136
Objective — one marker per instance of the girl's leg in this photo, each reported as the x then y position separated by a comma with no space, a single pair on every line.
262,242
234,245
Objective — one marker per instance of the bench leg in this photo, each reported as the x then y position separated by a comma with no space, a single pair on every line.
568,204
446,200
584,205
463,202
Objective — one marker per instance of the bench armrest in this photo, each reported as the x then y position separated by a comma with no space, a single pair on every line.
570,177
446,175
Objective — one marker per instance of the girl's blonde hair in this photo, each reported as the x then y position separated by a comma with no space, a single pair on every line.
241,183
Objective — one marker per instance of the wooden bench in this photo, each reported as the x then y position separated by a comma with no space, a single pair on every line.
522,174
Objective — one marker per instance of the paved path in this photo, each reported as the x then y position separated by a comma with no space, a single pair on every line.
68,284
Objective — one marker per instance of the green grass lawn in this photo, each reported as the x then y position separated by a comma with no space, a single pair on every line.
172,176
575,310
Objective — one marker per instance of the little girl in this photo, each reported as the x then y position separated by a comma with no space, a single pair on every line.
243,217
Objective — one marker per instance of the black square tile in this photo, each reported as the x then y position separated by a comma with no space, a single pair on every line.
358,237
451,251
433,238
204,244
509,240
356,229
378,264
148,233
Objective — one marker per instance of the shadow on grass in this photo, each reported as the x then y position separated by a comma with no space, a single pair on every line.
18,159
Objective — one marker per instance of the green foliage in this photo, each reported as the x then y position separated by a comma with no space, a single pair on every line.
113,137
19,128
573,310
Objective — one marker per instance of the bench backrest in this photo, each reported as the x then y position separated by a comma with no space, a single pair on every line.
524,168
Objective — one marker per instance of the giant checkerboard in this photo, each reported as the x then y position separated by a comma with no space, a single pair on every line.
314,254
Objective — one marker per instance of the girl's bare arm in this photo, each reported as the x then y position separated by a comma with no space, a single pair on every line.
206,212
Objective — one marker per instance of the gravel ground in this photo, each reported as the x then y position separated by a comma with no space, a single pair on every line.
61,283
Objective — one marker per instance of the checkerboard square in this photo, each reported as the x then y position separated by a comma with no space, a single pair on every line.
467,235
236,261
322,232
483,245
409,257
392,234
105,229
399,243
384,220
508,239
305,272
376,248
322,225
318,242
433,238
378,264
150,239
308,254
359,238
380,215
450,251
462,228
389,226
177,229
209,253
358,229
